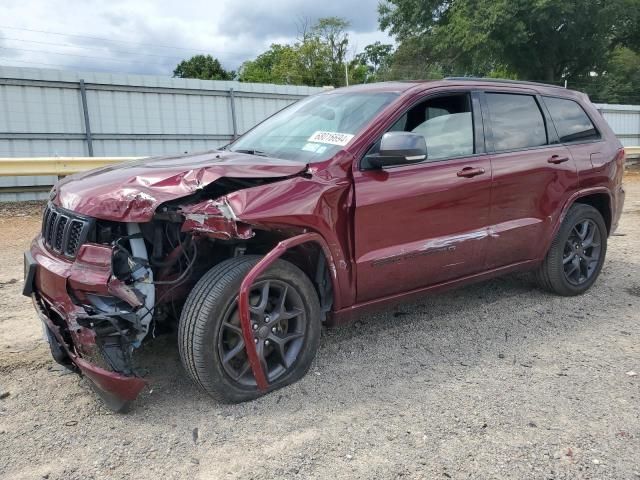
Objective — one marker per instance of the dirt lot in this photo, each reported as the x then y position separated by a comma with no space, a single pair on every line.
497,380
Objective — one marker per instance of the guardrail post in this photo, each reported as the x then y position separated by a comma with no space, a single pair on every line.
87,125
233,113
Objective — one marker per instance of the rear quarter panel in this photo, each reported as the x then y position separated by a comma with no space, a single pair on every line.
601,164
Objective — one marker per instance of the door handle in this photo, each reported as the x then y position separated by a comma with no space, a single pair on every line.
556,159
469,172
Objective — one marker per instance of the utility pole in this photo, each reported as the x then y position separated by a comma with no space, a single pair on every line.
346,74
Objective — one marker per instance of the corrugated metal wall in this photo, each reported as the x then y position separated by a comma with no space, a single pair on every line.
624,120
42,114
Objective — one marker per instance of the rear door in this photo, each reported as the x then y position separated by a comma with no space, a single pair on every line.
577,131
422,224
533,175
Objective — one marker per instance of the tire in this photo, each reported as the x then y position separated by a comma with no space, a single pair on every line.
567,246
209,326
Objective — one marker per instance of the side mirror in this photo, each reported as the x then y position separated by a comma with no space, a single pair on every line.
399,148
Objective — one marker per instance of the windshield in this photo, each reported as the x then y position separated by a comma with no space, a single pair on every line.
315,128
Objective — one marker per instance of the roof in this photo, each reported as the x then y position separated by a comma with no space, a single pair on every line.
377,87
501,81
406,85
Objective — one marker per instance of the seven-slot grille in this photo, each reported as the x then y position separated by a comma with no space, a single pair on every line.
62,231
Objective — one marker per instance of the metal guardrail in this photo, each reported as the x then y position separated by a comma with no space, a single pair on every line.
61,166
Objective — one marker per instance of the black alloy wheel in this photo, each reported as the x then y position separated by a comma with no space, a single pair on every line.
285,321
278,322
577,253
582,252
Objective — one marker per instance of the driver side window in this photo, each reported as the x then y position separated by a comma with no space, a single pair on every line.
446,124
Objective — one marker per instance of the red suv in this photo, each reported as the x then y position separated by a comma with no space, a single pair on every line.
347,200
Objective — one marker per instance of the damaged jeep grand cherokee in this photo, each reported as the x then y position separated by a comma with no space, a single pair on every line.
348,200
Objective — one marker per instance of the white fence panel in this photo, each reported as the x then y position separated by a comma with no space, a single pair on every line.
42,113
624,120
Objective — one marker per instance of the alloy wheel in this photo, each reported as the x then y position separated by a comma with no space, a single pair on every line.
279,325
582,252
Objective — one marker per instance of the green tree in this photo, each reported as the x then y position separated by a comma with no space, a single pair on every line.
619,83
376,58
280,64
412,61
359,72
203,67
548,40
316,59
331,34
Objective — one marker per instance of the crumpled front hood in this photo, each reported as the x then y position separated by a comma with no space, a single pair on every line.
131,191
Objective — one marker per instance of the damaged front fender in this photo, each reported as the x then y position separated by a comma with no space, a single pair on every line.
215,219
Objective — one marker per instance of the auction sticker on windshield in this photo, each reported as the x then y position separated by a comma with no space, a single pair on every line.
332,138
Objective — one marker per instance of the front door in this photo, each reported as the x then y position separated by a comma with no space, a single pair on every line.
423,224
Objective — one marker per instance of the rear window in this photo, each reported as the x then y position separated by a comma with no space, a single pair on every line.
516,121
571,121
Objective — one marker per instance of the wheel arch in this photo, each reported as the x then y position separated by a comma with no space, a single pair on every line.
316,263
313,256
278,251
600,201
597,197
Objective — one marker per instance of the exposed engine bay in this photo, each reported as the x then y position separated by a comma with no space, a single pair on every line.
154,265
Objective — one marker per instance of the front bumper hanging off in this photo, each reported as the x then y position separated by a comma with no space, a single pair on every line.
74,344
47,280
112,384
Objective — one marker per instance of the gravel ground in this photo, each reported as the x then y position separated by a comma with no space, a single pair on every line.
496,380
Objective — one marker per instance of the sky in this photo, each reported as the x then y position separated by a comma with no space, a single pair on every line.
151,37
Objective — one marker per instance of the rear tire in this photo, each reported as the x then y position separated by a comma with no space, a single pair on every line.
577,253
287,328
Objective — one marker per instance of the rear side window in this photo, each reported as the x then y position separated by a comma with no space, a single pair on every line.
516,121
571,121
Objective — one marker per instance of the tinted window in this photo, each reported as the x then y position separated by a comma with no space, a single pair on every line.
570,120
448,135
446,124
516,121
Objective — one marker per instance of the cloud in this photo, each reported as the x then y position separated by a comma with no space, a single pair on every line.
281,17
152,36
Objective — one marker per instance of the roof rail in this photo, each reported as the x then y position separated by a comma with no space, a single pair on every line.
502,80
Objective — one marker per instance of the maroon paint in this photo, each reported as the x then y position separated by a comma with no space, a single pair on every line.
245,289
125,388
517,221
388,235
320,202
419,233
131,192
206,218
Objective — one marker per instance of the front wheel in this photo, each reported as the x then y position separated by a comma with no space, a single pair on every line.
577,253
285,318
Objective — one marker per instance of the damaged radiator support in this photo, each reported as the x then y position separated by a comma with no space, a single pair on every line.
143,280
121,327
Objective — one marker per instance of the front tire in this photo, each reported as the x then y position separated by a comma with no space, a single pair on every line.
285,315
577,253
